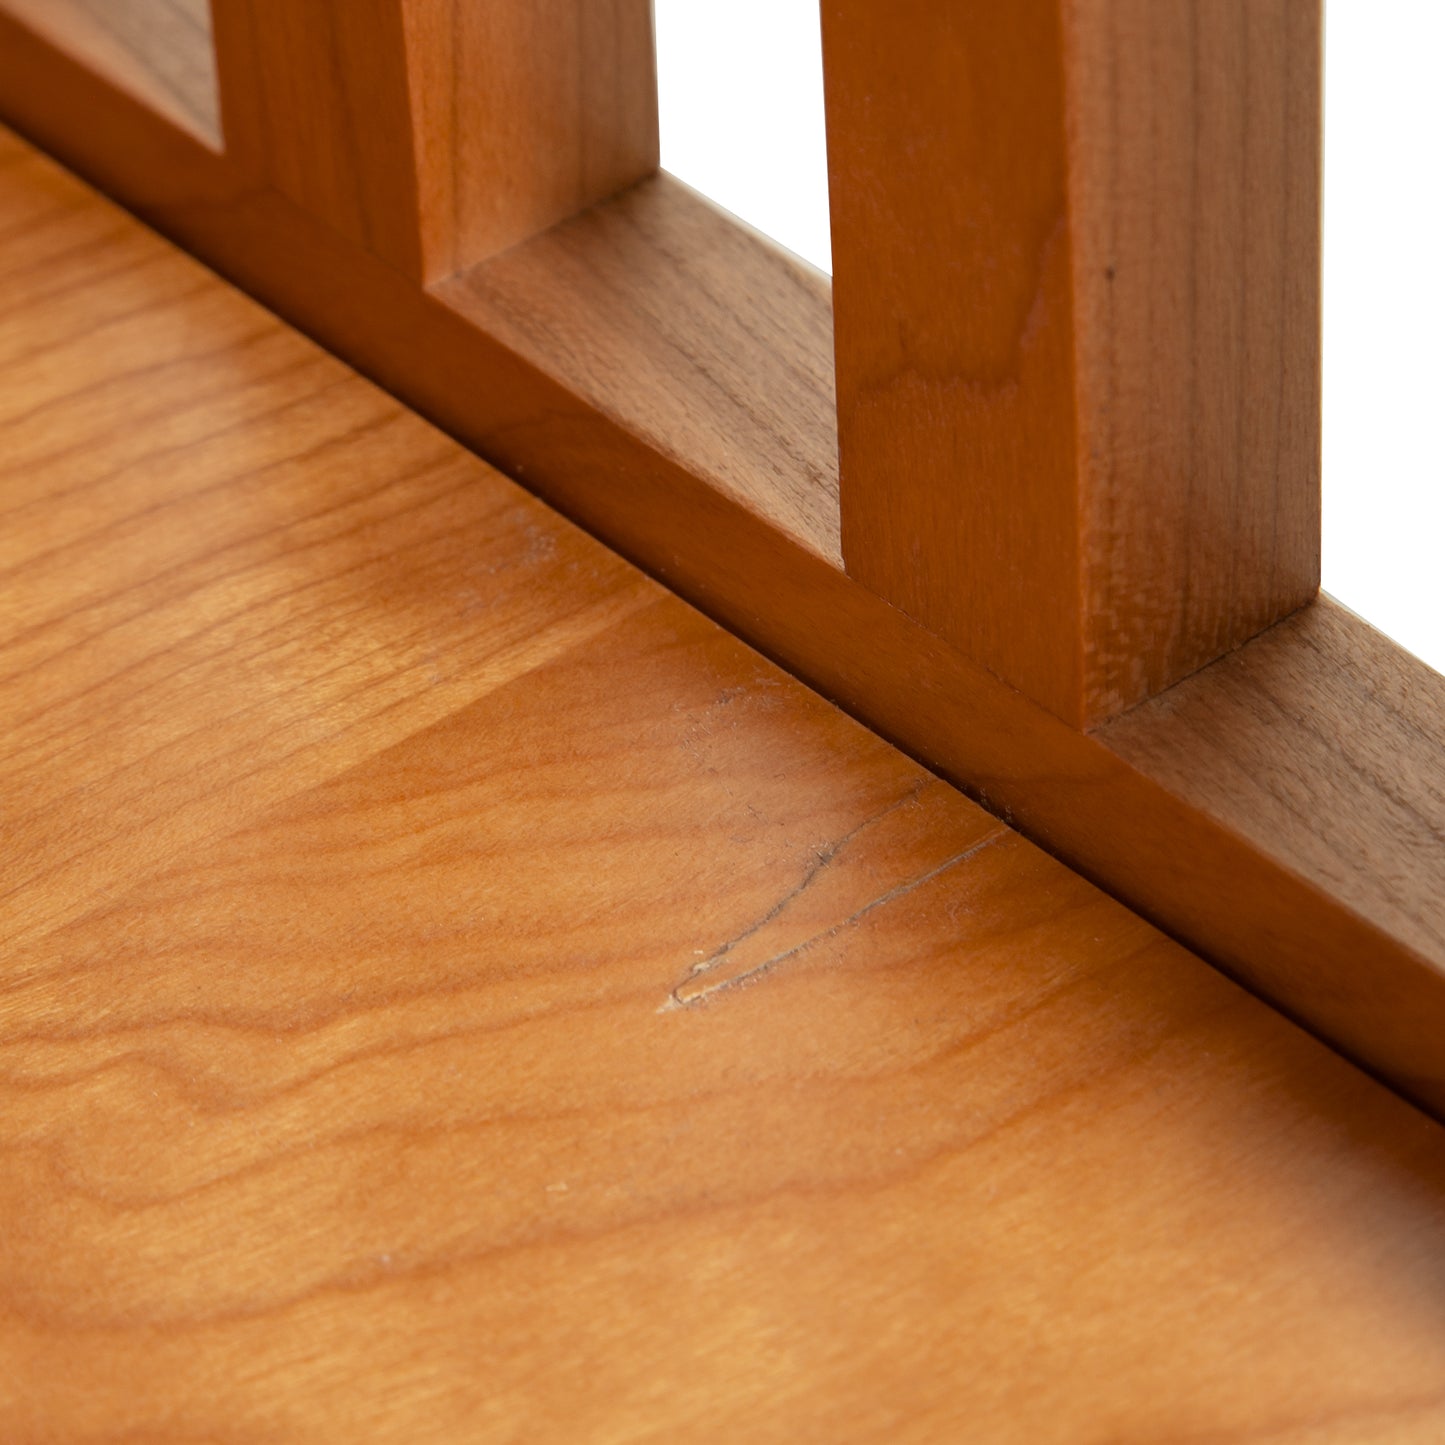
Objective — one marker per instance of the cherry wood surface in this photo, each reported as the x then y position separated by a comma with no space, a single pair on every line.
159,50
435,132
633,308
454,991
707,482
1076,278
1209,742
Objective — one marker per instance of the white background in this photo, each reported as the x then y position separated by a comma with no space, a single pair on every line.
741,91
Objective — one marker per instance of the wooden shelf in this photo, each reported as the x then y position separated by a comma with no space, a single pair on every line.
717,476
454,991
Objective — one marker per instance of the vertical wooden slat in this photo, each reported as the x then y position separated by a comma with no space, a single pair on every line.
315,101
438,132
528,112
1076,291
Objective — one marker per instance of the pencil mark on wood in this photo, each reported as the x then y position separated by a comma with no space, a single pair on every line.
736,964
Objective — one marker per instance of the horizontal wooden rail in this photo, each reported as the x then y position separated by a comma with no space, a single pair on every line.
1282,811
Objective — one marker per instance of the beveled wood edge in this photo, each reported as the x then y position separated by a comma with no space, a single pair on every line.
1323,949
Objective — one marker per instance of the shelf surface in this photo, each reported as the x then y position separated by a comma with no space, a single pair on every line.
452,991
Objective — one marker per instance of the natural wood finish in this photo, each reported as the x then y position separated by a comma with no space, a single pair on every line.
437,132
1195,175
316,101
1333,948
1076,281
634,308
527,113
158,50
1212,743
143,624
455,992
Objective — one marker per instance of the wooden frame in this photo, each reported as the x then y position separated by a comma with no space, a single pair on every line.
1078,381
665,377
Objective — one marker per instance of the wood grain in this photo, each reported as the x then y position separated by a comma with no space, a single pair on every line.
158,50
1076,281
158,614
511,1008
437,133
527,113
1210,742
696,334
1195,225
1333,948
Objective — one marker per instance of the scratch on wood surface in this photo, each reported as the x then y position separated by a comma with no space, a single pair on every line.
734,965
